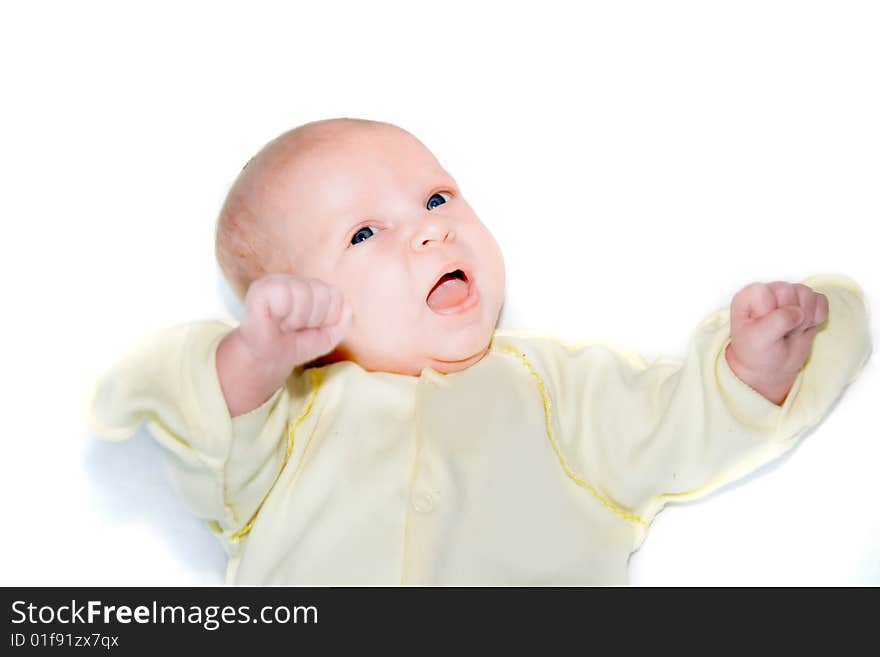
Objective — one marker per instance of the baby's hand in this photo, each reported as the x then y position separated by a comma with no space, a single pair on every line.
290,320
772,327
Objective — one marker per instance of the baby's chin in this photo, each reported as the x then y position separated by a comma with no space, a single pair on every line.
445,364
443,361
450,366
445,354
457,351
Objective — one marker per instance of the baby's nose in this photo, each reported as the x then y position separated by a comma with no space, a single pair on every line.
432,232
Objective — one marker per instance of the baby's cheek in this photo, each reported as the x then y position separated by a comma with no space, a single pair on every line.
377,312
492,260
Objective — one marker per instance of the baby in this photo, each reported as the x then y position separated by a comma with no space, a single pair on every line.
368,424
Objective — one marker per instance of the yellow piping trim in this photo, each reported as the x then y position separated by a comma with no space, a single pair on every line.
626,515
316,382
631,356
153,422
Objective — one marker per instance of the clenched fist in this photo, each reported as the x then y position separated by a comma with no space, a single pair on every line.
288,321
772,327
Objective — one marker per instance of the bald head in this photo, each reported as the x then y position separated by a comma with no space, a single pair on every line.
246,238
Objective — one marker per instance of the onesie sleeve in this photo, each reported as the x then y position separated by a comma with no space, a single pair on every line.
221,467
640,435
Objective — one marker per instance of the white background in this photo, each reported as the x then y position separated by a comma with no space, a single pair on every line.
638,163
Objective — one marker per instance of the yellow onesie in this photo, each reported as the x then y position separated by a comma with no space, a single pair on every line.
543,464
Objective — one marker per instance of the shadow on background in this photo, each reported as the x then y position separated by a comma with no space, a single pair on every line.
128,484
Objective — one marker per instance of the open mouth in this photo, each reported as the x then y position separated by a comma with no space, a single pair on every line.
450,292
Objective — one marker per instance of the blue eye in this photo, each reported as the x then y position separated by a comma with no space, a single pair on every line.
364,233
437,199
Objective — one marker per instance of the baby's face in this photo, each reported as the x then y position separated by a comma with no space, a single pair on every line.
372,212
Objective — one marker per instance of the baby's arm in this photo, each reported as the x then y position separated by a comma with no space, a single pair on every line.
772,328
643,434
288,321
220,416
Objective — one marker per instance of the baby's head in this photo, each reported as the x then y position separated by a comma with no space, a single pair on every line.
366,207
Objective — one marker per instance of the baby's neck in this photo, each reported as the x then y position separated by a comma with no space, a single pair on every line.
442,366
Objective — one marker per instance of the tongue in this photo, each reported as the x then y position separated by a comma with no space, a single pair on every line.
447,294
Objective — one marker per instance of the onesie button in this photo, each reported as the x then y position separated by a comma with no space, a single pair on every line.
423,502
